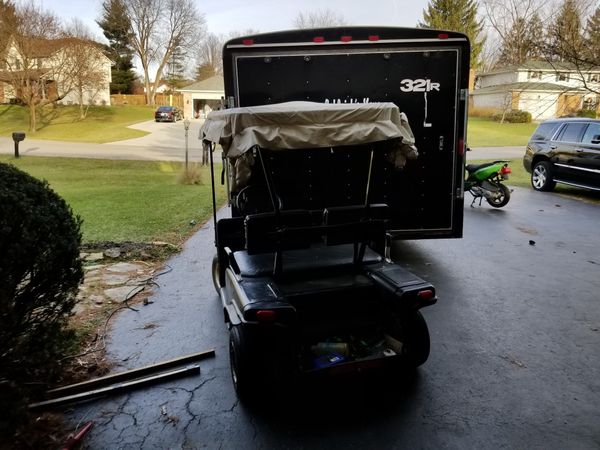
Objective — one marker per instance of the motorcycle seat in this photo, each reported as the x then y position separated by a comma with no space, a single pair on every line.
476,167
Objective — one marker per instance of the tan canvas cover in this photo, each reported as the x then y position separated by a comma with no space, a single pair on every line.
296,125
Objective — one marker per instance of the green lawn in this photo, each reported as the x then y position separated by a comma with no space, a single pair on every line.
61,123
487,133
126,200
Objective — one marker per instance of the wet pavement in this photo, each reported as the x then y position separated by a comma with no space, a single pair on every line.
514,360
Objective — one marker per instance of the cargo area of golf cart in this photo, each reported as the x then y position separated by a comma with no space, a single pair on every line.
302,266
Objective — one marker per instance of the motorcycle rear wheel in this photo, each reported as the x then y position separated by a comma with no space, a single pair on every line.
500,200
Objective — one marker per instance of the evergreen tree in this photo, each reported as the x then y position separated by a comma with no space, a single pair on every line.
8,19
565,36
523,42
592,37
116,27
457,15
175,68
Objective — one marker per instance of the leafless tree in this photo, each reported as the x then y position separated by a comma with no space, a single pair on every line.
158,27
31,79
85,72
209,56
510,20
319,19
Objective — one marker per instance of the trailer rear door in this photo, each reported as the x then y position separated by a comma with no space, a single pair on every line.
424,72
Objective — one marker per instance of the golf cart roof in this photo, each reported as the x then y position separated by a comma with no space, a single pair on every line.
298,125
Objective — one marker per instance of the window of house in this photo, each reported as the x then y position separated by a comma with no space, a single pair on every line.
17,64
562,76
593,77
532,74
572,132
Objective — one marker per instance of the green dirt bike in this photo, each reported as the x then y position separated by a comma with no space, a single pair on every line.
485,181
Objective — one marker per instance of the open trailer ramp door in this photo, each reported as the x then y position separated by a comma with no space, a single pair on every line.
424,72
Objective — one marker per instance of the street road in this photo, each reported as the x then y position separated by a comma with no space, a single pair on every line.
166,142
514,360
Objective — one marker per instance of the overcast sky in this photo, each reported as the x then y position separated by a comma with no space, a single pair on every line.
223,16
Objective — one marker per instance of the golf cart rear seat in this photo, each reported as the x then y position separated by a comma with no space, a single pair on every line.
289,235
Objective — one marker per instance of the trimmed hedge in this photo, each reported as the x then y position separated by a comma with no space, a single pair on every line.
40,272
514,116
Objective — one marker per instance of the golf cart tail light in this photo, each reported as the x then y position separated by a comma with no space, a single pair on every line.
248,42
505,170
461,147
373,38
346,38
443,36
318,39
266,315
425,294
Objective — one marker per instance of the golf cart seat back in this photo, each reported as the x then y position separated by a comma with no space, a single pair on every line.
362,223
267,233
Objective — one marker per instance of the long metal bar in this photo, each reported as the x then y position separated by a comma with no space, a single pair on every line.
128,375
115,388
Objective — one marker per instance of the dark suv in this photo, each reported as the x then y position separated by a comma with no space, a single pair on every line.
564,151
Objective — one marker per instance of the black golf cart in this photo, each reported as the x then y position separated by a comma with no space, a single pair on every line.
301,265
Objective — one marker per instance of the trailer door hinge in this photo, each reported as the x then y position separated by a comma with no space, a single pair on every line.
464,94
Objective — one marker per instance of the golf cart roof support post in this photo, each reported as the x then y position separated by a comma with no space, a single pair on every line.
359,251
211,147
278,263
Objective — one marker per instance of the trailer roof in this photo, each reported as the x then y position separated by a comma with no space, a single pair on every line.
297,125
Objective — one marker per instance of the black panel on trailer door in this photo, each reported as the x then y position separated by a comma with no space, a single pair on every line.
414,69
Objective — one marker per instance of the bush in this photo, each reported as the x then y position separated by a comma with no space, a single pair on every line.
40,271
514,116
588,113
485,113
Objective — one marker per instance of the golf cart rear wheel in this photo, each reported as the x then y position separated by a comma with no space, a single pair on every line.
216,273
240,362
416,343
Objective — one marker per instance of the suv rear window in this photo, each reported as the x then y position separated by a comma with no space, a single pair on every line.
592,131
572,132
544,132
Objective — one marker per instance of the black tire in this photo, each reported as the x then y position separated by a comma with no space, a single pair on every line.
502,199
416,343
216,273
243,374
542,176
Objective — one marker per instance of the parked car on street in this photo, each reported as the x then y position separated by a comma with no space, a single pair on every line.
564,151
168,113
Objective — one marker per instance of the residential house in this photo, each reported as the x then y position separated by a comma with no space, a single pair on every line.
70,70
202,97
545,89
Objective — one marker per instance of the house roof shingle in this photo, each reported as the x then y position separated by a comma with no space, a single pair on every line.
215,83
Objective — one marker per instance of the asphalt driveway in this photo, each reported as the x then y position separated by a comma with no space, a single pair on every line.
514,362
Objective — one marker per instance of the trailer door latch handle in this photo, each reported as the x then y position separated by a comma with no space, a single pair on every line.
441,146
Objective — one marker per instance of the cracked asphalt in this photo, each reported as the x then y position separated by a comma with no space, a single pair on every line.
514,361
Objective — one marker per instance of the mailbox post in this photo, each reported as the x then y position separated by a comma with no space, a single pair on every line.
17,136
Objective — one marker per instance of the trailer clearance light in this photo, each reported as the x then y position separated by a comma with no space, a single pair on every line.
443,36
248,42
346,38
461,147
373,37
318,39
265,316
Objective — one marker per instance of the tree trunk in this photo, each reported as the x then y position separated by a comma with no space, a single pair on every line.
81,111
32,117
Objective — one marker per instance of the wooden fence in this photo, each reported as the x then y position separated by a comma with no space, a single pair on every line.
137,100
